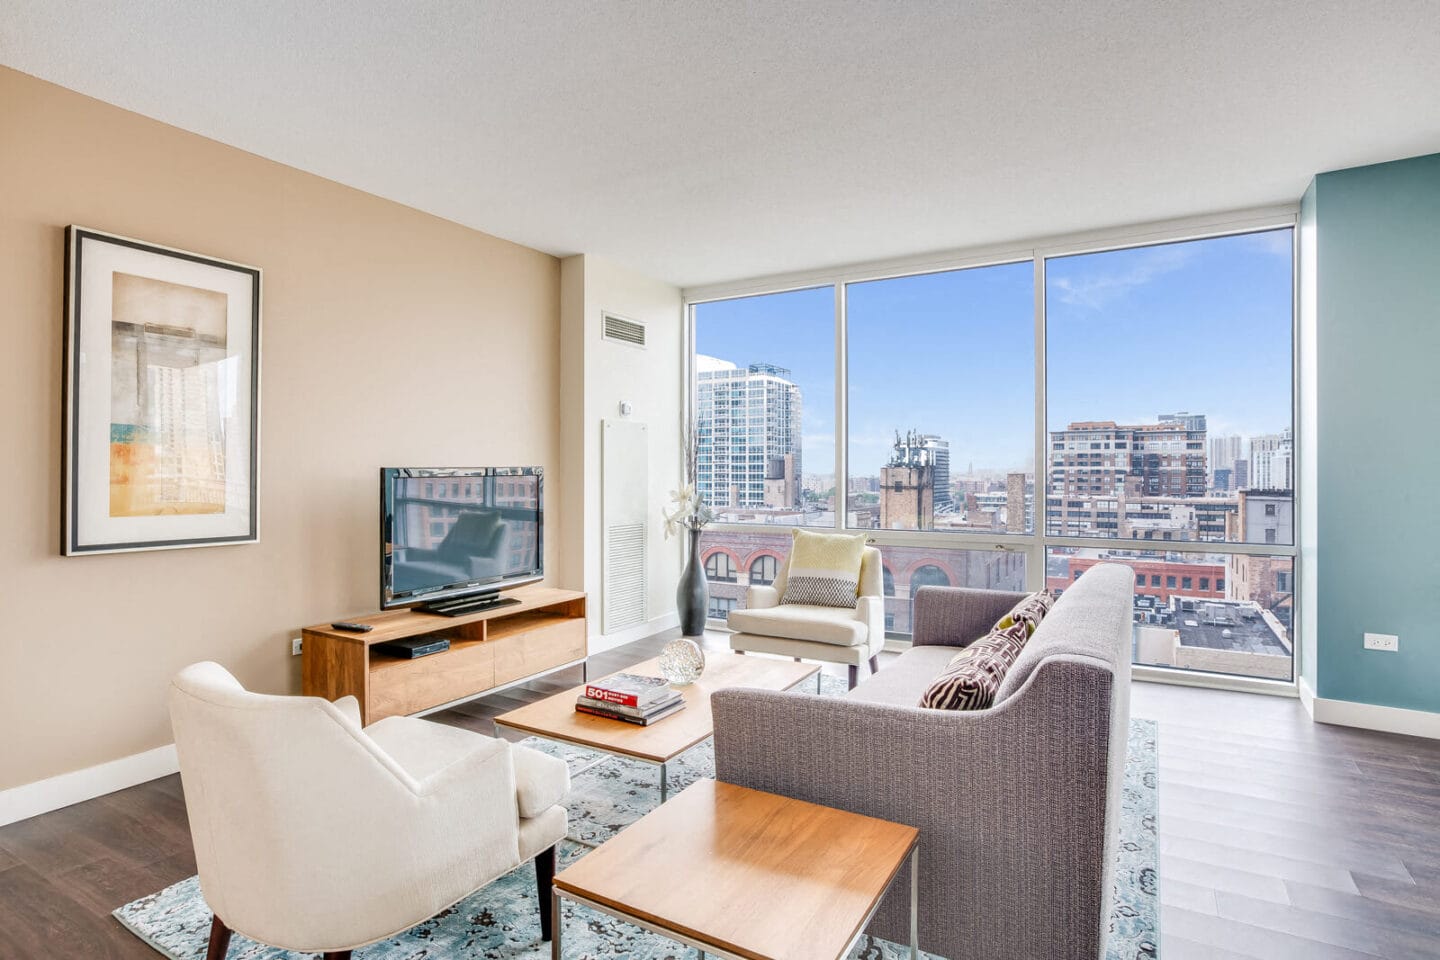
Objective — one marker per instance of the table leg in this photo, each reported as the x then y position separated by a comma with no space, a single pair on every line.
914,903
664,784
555,924
818,675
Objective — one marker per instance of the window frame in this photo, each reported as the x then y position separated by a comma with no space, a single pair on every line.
715,577
1036,543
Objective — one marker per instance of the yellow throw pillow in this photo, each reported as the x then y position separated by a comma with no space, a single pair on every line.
1029,611
824,569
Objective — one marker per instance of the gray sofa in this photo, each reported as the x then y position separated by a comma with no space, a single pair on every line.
1016,805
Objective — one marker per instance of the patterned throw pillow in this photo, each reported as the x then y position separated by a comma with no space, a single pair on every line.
824,569
974,675
1029,611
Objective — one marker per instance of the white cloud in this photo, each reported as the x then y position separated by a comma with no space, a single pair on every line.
1273,242
1098,289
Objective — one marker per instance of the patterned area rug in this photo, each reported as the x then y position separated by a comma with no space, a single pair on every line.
501,922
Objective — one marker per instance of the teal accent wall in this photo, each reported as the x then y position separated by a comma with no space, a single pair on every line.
1377,319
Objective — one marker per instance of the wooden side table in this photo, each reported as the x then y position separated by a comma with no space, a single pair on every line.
745,875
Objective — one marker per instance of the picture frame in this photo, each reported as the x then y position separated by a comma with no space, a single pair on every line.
161,405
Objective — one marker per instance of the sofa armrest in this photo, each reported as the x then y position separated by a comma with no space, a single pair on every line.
957,616
758,598
1012,803
471,804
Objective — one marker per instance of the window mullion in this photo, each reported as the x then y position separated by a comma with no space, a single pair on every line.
842,409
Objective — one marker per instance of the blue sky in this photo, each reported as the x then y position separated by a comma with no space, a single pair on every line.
1202,326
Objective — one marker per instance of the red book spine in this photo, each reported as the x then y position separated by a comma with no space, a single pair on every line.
610,696
596,711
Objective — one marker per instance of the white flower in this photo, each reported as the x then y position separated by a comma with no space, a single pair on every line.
690,512
672,522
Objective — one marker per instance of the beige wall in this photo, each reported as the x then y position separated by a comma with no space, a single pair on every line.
388,337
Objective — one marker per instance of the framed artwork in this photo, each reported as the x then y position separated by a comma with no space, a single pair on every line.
162,397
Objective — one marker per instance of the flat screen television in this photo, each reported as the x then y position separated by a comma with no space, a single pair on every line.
451,539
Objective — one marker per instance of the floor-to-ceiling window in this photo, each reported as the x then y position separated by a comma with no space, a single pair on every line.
1153,381
1170,442
939,381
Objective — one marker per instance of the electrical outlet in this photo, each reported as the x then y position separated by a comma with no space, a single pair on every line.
1382,641
295,643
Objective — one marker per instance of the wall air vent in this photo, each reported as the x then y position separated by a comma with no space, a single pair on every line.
623,331
625,519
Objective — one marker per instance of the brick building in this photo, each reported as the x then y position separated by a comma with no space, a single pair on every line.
736,561
1155,577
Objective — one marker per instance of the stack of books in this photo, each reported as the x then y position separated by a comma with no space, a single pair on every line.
630,697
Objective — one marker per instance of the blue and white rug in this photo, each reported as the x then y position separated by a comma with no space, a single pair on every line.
502,921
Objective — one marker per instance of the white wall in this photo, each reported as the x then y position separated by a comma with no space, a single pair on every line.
596,375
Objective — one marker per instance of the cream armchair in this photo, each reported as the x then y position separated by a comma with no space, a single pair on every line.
314,835
809,632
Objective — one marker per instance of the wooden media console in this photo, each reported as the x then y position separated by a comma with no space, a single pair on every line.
489,649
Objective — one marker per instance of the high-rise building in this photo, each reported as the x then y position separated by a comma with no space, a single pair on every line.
939,468
1168,459
1151,459
1089,458
1096,466
749,422
1272,461
1224,451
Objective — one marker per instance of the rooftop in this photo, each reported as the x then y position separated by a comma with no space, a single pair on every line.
1218,624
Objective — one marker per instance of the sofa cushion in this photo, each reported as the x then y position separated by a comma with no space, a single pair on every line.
802,621
974,675
903,679
541,781
1029,611
824,569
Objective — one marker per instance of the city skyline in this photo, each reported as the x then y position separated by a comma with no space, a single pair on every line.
1209,321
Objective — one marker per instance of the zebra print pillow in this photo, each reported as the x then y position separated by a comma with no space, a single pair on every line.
974,675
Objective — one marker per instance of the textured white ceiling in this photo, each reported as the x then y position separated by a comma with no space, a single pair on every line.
700,142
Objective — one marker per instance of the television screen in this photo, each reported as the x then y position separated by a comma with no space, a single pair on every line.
452,532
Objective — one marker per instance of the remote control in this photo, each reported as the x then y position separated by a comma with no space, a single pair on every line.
353,627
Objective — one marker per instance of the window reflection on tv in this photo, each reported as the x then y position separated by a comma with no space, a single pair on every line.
453,530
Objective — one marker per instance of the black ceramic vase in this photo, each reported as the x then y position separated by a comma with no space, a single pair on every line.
692,597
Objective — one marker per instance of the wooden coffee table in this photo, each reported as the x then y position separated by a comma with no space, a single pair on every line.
555,717
745,875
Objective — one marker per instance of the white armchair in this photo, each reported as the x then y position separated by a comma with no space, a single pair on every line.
811,632
314,835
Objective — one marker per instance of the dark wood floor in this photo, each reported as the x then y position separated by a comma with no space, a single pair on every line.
1279,838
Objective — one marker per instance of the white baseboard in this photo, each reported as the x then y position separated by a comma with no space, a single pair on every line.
42,796
1307,696
1369,716
601,642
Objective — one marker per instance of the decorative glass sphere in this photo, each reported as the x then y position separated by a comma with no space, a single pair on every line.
682,661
